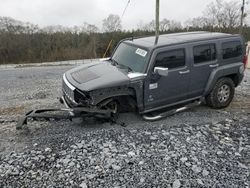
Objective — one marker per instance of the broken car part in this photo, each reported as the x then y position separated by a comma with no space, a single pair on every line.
65,113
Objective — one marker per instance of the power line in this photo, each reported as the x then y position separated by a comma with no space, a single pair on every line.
125,9
111,41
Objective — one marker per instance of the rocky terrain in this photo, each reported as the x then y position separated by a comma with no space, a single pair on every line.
201,147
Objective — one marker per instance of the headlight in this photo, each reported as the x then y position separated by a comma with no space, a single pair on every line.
82,97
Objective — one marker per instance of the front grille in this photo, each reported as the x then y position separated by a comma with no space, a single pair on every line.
68,89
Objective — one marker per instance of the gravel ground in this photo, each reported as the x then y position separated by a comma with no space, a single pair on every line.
201,147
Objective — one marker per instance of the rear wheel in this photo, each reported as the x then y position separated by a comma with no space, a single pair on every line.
222,93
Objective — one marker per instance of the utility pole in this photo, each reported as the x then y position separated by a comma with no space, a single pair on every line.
242,16
157,12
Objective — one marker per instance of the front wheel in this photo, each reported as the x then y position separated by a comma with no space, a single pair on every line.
113,106
222,93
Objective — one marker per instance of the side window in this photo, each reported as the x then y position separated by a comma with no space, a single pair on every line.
204,53
170,59
231,49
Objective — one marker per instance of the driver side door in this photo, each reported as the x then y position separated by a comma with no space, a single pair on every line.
161,91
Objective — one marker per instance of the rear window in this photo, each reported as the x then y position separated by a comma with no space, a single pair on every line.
231,49
204,53
171,59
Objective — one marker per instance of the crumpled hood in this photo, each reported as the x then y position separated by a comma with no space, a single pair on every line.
96,75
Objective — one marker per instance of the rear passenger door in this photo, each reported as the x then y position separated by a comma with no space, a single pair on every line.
204,58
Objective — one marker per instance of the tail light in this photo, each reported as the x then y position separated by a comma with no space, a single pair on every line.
245,61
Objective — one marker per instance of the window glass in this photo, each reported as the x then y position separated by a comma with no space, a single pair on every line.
171,59
204,53
231,49
131,56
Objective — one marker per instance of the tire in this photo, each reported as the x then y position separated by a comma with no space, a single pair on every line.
222,93
114,106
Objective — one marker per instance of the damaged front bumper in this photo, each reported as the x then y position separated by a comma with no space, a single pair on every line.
64,113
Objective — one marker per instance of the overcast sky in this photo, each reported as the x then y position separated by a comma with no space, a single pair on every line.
76,12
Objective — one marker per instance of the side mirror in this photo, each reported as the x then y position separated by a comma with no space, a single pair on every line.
161,71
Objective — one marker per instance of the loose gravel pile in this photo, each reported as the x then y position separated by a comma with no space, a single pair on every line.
211,155
201,147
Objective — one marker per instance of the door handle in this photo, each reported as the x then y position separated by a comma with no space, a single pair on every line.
184,72
214,65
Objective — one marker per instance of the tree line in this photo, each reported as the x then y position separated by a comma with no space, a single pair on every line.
22,42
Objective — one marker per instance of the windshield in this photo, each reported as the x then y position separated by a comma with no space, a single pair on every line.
131,57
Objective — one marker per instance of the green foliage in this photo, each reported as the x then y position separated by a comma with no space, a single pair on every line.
59,46
45,47
22,42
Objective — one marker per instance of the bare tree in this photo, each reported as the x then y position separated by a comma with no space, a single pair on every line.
112,23
89,28
150,26
223,15
31,28
199,22
141,26
164,25
11,25
174,25
56,29
76,29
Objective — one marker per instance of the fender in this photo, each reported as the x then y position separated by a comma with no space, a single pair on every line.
222,71
135,90
103,94
138,88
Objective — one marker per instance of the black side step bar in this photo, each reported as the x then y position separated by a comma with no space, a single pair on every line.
157,116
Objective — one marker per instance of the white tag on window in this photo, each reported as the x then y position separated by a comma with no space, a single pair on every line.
153,86
141,52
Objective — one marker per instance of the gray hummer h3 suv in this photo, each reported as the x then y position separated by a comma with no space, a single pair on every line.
152,73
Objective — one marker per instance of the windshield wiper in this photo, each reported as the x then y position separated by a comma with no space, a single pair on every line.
114,62
126,66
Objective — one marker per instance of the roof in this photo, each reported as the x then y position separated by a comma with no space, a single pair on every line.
176,38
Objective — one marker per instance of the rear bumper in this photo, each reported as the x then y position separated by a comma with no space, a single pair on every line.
241,76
